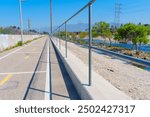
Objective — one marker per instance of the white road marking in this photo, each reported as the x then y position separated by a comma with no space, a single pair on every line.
27,52
47,95
19,73
16,50
11,53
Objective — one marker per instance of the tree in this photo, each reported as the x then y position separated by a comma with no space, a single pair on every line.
148,29
126,32
103,29
137,34
117,37
141,34
94,34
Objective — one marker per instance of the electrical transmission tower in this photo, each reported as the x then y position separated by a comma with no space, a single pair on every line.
117,15
29,25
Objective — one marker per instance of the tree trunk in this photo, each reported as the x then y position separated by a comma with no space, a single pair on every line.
136,48
132,46
104,41
140,46
110,42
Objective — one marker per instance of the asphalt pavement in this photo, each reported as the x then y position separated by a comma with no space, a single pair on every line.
35,72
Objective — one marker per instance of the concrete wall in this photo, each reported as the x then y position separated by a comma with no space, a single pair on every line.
10,40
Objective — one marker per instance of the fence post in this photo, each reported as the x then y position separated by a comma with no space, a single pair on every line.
66,38
59,39
56,41
90,42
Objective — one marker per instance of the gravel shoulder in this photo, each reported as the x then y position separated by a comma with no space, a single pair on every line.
130,79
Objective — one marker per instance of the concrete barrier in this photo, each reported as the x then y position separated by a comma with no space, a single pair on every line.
11,40
83,93
101,89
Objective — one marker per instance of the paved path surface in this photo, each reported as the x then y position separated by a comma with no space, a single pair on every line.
62,86
25,73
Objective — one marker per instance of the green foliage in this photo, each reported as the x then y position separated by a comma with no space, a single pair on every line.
102,29
141,34
127,32
95,34
62,34
148,29
19,43
83,34
81,41
72,35
137,34
9,30
117,37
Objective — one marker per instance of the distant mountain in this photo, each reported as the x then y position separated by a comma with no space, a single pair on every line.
77,27
70,27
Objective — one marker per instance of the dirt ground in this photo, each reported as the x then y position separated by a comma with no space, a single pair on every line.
128,78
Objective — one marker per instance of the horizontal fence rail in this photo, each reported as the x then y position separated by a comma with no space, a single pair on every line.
130,58
125,57
57,30
87,5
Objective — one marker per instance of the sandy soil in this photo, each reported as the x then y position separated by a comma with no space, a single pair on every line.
130,79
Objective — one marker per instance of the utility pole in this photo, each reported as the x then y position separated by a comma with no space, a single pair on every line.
29,26
115,18
51,19
117,15
50,89
21,25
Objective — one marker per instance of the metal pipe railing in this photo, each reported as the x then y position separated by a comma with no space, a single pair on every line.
66,38
90,43
59,39
89,6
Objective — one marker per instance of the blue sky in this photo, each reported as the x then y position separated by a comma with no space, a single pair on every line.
103,10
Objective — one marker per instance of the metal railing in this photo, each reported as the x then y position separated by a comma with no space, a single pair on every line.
57,30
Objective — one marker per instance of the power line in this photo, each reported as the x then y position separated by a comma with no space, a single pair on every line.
137,10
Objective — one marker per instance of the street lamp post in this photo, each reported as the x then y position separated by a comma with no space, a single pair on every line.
21,25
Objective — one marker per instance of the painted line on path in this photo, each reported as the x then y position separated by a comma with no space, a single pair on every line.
19,73
47,96
17,50
4,80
